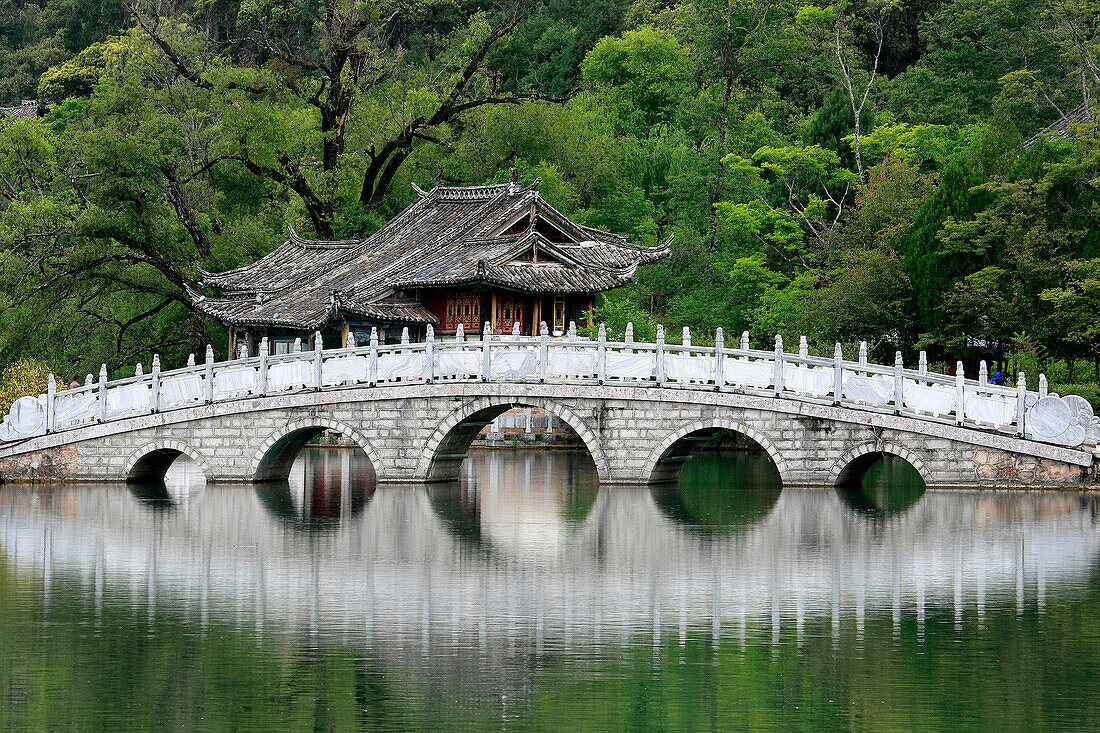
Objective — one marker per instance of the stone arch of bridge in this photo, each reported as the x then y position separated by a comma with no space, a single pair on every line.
449,442
273,459
151,461
849,467
665,461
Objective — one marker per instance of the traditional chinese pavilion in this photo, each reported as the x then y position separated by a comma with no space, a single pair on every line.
458,255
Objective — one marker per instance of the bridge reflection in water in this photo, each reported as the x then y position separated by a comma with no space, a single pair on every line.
528,546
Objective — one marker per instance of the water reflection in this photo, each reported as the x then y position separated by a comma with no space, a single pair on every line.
526,588
522,502
326,487
180,487
722,491
888,485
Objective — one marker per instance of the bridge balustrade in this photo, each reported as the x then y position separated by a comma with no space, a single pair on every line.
572,360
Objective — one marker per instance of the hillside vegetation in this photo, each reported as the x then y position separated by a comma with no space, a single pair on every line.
849,170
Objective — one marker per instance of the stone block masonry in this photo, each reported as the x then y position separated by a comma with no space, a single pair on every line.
419,432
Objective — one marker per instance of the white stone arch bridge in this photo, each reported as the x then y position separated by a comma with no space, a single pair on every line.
638,408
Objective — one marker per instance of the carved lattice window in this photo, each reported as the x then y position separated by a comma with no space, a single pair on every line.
509,311
464,308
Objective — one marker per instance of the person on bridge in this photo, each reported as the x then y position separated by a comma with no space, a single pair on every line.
998,378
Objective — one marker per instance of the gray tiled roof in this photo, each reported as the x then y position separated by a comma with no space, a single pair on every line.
448,237
1080,116
27,109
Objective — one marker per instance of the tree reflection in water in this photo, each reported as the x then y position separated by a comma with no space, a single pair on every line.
326,487
721,492
881,485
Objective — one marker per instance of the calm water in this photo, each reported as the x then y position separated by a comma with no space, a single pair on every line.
526,597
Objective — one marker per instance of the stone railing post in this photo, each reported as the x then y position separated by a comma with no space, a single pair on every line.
297,348
1044,388
263,366
544,351
899,383
1021,403
803,347
405,336
190,360
373,359
103,393
242,352
51,411
779,359
922,366
719,358
429,354
601,354
660,368
628,338
208,374
960,393
838,370
486,352
460,335
685,340
318,355
744,345
154,378
863,357
571,333
983,374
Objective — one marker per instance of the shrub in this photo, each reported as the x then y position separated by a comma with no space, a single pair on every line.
1090,392
24,377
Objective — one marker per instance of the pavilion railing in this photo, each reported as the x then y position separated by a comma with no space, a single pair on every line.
1036,415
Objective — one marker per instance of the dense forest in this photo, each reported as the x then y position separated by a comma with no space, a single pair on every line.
853,170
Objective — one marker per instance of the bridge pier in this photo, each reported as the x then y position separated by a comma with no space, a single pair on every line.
635,434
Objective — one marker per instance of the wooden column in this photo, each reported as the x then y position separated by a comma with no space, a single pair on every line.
536,314
493,314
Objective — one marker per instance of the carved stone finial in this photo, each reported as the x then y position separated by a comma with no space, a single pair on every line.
602,334
429,333
983,373
719,337
628,335
779,342
838,351
544,329
373,336
803,346
1044,388
460,334
744,340
209,352
515,328
660,332
898,361
351,339
685,339
318,341
156,362
138,371
298,345
103,372
405,336
190,360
